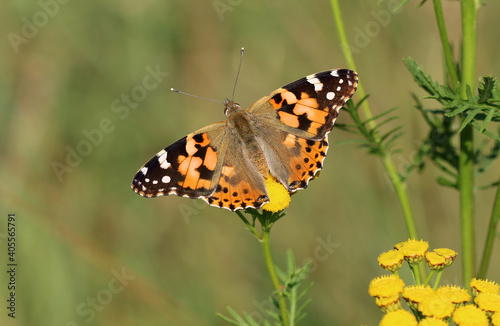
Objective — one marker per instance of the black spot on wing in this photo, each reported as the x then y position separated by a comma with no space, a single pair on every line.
198,138
304,122
277,98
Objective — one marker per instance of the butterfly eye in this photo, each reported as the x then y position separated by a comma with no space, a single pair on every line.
231,107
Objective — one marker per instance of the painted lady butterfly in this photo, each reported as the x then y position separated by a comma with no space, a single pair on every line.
226,163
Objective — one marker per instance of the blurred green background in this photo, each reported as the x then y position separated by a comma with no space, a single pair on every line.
92,252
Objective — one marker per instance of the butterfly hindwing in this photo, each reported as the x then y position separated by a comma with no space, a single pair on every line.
240,184
291,159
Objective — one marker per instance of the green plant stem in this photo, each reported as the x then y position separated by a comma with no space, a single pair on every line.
395,178
429,277
438,278
448,56
293,306
402,193
346,50
466,188
490,239
266,249
416,273
251,228
266,220
466,157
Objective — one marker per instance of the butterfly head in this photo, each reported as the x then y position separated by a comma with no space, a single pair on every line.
230,107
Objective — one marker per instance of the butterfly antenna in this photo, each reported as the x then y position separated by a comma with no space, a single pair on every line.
238,74
201,97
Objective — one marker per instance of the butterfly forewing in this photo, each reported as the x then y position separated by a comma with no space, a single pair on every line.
189,167
309,106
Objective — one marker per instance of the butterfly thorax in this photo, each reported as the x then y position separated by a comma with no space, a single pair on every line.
240,123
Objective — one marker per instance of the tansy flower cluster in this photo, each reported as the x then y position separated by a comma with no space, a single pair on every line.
431,306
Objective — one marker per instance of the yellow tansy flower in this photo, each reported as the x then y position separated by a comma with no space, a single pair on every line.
388,304
413,250
470,315
279,197
431,321
391,260
436,306
488,302
415,294
483,286
448,254
455,294
435,261
495,319
386,286
398,318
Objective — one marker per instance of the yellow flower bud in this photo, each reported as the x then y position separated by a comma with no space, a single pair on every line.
391,260
413,250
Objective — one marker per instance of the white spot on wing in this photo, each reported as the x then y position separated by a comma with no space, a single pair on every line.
334,73
163,160
147,180
155,182
341,81
162,156
312,79
330,95
144,170
318,86
165,165
165,179
339,88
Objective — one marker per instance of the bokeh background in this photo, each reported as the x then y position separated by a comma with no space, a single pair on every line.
92,252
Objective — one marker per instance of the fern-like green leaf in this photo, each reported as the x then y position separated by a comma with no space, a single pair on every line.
488,133
423,79
469,118
456,103
486,89
378,116
238,320
487,120
447,183
449,93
